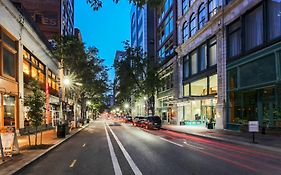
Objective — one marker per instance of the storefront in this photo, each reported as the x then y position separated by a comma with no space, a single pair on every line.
199,104
254,90
9,90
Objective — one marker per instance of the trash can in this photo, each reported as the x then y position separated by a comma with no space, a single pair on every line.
61,131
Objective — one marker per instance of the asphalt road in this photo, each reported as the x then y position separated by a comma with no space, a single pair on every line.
106,148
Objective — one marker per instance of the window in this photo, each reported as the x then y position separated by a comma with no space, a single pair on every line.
191,2
202,15
213,7
194,62
234,39
184,6
186,90
192,24
9,110
213,83
184,31
212,52
34,72
186,67
257,72
26,67
9,63
274,19
199,87
202,57
232,79
254,28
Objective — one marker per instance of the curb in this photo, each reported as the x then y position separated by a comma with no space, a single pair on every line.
268,148
26,164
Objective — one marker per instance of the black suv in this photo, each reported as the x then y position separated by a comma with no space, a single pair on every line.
152,122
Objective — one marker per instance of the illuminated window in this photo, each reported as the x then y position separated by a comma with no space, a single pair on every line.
26,67
186,90
34,72
41,77
213,81
199,88
26,55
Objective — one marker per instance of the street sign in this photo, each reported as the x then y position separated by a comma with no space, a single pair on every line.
253,126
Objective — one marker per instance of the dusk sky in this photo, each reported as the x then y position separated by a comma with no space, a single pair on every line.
104,29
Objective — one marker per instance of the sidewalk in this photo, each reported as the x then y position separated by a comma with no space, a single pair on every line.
268,142
26,156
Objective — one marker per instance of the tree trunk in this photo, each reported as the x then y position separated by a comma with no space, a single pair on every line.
28,133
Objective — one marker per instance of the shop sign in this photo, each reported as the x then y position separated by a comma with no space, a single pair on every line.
253,126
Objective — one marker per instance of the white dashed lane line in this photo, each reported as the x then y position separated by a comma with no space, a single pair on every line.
72,164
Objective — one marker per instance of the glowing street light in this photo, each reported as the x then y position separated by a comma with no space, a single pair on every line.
66,81
126,106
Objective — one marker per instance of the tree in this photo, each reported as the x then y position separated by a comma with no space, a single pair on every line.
36,103
86,66
97,4
138,75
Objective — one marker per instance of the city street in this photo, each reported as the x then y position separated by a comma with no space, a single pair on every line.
106,148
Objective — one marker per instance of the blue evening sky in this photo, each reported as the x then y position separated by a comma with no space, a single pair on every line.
104,29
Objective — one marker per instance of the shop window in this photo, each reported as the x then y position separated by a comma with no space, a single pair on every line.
202,16
254,28
258,72
9,110
234,39
34,72
194,62
186,90
203,57
187,112
9,63
274,19
213,52
41,77
192,25
199,88
235,108
26,55
186,67
34,61
232,79
213,83
26,67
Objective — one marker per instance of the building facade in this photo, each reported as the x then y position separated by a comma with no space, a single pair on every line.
230,61
199,31
142,35
56,20
165,45
25,55
252,54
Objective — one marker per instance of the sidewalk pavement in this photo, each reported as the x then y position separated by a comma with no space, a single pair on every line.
27,156
264,141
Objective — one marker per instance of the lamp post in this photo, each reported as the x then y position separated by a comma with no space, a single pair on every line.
126,106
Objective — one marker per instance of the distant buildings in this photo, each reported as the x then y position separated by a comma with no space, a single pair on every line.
52,17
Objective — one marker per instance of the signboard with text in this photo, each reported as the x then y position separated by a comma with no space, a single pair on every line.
253,126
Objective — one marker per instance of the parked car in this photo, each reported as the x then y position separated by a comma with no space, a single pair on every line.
137,121
152,122
128,119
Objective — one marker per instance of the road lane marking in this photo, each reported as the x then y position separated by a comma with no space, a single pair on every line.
132,164
84,145
193,146
171,142
72,164
114,160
